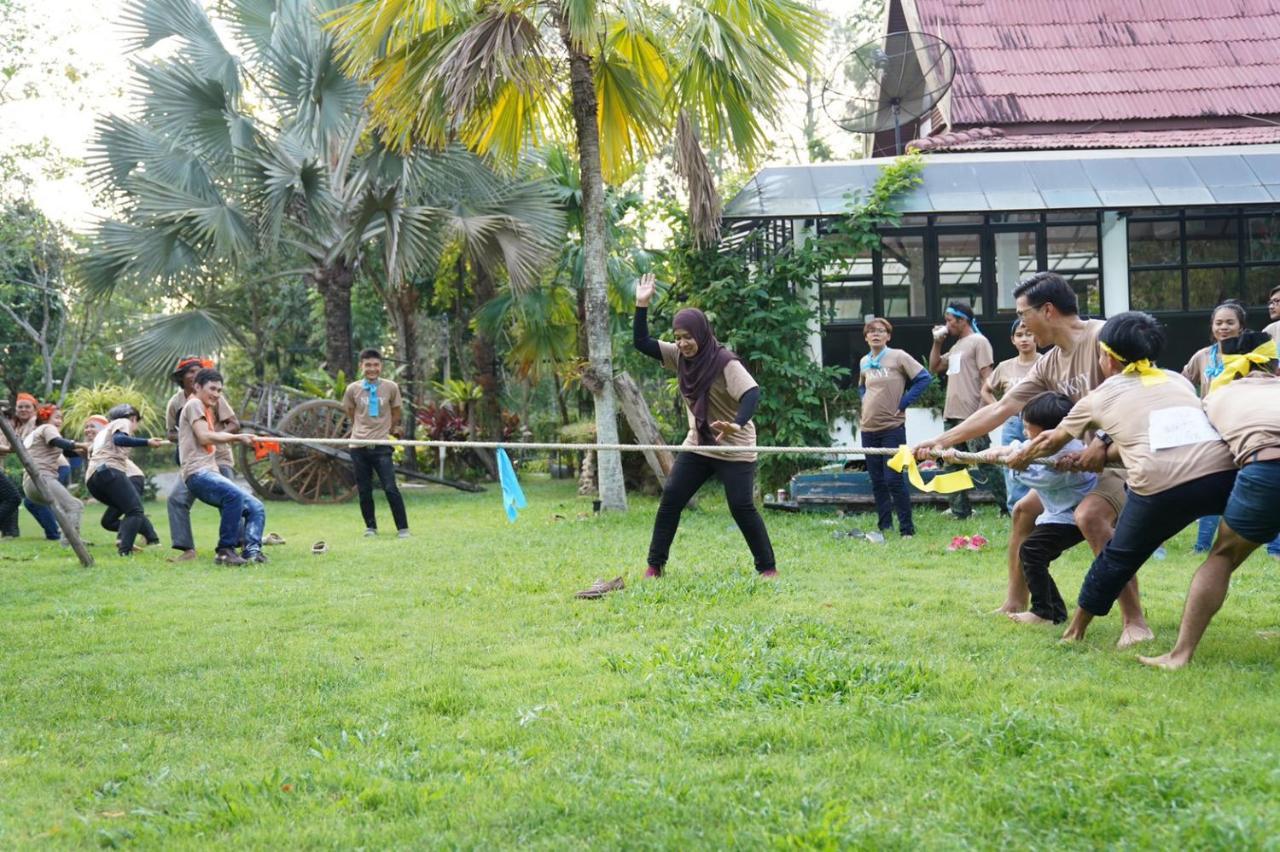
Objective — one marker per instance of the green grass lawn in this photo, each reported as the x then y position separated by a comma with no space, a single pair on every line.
448,691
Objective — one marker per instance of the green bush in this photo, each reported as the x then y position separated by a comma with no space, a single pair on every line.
81,403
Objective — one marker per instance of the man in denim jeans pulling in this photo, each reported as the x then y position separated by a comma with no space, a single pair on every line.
197,444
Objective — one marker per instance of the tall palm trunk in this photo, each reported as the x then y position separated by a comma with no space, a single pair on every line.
484,356
334,283
403,306
599,377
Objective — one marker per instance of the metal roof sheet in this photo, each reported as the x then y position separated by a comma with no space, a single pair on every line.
1027,180
1033,61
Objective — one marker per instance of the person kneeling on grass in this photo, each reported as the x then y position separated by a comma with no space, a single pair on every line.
721,396
1060,492
1178,467
197,441
1246,412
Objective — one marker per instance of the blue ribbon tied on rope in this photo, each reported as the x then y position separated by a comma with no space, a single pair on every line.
512,496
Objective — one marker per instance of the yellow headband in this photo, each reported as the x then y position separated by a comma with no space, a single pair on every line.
1235,366
1145,370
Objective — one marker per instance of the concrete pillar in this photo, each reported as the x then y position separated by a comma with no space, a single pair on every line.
1115,263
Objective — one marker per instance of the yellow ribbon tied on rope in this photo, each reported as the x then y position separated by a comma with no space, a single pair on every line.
1145,370
943,483
1235,366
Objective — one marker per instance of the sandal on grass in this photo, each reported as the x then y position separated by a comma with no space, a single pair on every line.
273,538
319,548
600,588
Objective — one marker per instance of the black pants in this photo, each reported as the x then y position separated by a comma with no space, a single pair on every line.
687,476
10,500
1147,521
1045,544
983,474
364,462
123,500
888,486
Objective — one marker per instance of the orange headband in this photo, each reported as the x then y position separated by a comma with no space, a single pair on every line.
44,412
28,397
97,418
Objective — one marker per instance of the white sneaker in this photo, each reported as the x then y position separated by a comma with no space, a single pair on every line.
403,534
370,532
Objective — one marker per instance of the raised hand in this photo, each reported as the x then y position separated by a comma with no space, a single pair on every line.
725,427
645,288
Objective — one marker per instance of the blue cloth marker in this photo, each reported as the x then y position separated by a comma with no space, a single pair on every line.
372,388
512,496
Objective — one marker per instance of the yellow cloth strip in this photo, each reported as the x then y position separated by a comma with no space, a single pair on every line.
943,483
1144,368
1235,366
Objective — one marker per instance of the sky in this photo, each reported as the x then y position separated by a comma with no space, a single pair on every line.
49,101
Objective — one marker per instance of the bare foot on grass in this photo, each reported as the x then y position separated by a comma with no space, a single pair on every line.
1164,661
1010,607
1028,618
1133,634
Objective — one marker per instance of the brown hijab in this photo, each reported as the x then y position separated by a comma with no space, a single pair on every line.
698,373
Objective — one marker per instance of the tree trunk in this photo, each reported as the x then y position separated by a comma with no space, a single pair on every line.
334,283
599,376
488,409
403,307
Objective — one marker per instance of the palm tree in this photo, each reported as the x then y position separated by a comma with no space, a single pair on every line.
496,76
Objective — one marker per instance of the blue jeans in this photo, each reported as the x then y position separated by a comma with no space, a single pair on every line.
1251,511
1147,521
889,488
179,505
1013,431
234,503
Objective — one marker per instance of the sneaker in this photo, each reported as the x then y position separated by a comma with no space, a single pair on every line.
259,558
978,542
227,556
652,572
402,534
184,556
370,532
600,588
768,574
907,535
960,542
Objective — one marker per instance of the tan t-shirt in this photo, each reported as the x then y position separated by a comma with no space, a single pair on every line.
964,364
1274,331
1247,415
368,428
105,452
46,456
222,420
722,404
1149,425
1006,375
885,385
1194,371
1071,372
193,456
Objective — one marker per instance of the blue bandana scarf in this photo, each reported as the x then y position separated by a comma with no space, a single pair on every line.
973,320
1215,363
870,362
372,388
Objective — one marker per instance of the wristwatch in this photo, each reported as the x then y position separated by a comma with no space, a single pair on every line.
1105,439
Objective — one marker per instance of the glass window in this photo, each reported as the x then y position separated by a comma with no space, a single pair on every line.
1208,288
1072,247
960,270
1052,216
1212,240
959,219
1015,260
1153,243
1088,287
999,218
902,271
1262,241
1156,290
847,300
1258,281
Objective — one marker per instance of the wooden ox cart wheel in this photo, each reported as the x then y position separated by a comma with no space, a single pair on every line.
258,472
320,474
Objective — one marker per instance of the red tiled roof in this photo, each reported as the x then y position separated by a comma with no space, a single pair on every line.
995,139
1032,61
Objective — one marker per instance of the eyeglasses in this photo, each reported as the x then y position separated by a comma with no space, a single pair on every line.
1022,314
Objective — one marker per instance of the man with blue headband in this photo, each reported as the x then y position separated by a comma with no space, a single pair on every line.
967,364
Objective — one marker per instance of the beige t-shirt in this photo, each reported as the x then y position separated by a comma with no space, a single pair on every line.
1006,375
885,385
1194,371
46,456
722,404
1247,414
1071,372
1167,416
1274,331
964,364
191,453
105,452
364,427
222,420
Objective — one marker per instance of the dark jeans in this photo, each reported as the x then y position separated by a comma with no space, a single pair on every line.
365,461
1147,521
983,474
236,505
123,499
687,476
1045,544
10,500
889,487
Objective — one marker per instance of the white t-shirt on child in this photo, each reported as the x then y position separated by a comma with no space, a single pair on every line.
1060,491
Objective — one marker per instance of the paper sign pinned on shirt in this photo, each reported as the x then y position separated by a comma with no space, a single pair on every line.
1179,426
954,360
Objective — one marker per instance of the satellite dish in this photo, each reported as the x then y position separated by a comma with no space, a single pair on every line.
885,82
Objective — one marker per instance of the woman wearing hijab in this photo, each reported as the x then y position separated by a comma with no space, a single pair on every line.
720,396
